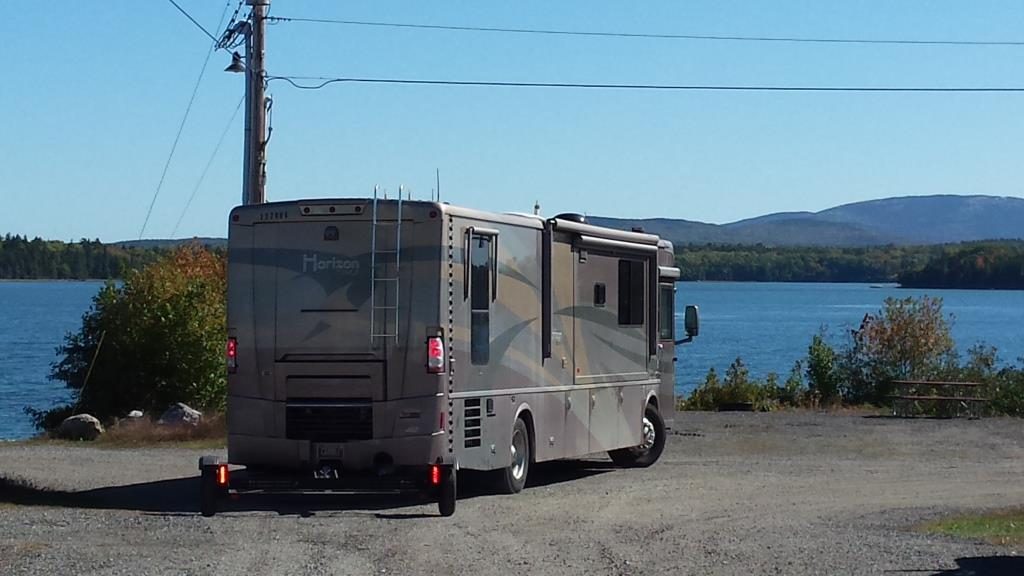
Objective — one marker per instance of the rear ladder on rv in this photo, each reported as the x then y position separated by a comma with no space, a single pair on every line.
384,283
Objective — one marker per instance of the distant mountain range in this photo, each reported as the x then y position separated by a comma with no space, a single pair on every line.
904,220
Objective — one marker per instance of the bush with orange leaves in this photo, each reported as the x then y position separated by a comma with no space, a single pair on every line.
156,339
908,339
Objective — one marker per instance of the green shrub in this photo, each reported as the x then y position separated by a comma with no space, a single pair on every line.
793,391
1004,387
739,388
706,396
1006,394
822,371
163,332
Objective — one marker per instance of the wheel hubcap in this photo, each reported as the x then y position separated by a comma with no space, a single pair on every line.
518,456
648,435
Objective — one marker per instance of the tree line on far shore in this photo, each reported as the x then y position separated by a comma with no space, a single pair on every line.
982,265
38,259
996,264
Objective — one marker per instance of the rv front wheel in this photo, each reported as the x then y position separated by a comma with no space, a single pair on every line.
652,442
513,479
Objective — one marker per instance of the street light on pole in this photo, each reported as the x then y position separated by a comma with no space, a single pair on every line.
254,161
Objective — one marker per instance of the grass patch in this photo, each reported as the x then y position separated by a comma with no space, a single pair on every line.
211,432
1004,527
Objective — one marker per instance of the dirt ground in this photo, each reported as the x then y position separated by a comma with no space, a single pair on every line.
780,493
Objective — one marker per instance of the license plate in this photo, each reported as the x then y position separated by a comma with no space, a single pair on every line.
328,451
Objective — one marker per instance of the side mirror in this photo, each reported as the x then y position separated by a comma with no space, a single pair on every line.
691,323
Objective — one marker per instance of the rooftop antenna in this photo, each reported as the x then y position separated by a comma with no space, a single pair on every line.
437,174
536,207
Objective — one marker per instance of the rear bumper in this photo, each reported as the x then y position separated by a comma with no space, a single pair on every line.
281,453
404,481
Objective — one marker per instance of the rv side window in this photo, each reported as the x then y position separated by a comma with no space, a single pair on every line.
631,292
480,299
666,313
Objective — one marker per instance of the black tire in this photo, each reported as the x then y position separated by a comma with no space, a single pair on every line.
448,493
512,479
638,456
209,492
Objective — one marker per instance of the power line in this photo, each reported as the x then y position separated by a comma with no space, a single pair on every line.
638,35
206,168
325,81
184,118
234,15
198,25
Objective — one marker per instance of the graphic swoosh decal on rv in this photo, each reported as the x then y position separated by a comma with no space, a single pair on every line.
317,330
503,341
639,359
506,270
601,316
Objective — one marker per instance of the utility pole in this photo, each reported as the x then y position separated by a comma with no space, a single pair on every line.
254,160
256,106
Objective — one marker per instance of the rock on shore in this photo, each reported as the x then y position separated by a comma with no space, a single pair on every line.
79,427
181,414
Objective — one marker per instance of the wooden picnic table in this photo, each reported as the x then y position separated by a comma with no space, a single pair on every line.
932,398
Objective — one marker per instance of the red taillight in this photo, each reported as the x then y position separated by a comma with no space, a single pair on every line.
435,475
435,355
222,475
232,354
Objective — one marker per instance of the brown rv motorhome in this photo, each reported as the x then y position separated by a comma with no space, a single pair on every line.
384,345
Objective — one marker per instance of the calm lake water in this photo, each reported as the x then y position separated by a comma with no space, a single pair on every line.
34,316
768,325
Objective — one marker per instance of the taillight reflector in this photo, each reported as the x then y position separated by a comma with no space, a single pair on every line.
435,355
435,475
232,354
222,475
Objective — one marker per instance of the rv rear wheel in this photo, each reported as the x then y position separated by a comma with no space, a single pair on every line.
652,443
513,479
448,493
209,492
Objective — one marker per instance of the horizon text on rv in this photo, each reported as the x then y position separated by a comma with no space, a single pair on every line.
317,263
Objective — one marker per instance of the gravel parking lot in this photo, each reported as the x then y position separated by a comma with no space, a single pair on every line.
781,493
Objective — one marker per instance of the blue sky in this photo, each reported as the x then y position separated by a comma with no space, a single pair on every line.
93,93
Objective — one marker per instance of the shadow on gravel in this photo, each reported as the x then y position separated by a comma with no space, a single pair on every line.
180,496
176,495
986,566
